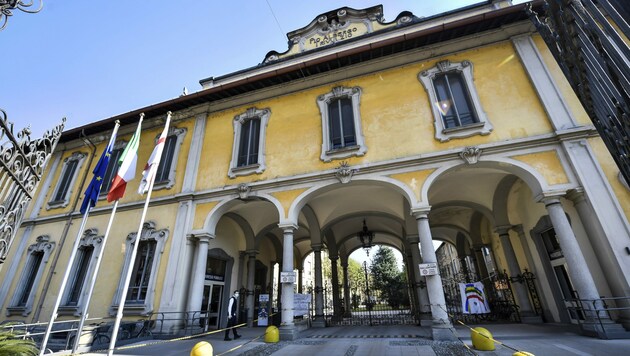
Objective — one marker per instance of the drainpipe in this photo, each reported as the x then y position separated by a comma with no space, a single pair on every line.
66,228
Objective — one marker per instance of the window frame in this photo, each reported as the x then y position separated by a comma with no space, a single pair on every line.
148,233
79,158
359,149
465,69
43,246
238,122
90,239
119,146
168,183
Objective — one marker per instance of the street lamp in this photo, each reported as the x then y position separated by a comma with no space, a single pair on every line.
366,236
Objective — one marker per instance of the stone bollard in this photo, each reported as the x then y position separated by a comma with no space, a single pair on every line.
480,339
202,349
272,334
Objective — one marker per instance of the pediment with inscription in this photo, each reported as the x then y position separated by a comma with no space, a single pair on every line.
337,26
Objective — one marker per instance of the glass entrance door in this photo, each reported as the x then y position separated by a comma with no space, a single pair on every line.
214,308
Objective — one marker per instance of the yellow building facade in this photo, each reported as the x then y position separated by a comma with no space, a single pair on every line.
457,128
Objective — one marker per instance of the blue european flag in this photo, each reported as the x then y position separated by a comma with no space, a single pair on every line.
94,189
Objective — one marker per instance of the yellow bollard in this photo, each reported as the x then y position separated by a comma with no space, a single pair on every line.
480,341
272,334
201,349
522,353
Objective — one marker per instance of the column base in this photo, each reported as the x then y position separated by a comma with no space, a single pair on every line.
441,333
531,318
426,320
319,322
288,333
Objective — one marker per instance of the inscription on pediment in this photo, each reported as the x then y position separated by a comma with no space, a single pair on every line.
337,26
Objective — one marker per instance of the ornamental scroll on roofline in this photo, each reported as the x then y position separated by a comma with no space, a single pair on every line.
338,26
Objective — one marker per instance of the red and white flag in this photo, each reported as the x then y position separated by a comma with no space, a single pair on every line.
127,170
148,175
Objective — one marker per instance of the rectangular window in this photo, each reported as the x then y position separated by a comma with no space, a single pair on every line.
453,100
66,180
341,123
551,244
249,142
164,169
31,272
112,170
82,265
138,285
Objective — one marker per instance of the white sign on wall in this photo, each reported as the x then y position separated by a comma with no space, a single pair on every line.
287,277
428,269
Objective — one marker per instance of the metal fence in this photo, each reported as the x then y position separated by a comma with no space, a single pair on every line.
22,163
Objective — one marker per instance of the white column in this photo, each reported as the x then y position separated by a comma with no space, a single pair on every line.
346,289
442,328
514,270
287,328
199,272
421,293
319,290
578,268
335,285
251,272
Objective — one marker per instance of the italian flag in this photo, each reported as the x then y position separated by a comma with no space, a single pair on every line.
127,170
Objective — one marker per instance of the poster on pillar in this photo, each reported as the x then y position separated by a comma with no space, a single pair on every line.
263,310
473,298
301,304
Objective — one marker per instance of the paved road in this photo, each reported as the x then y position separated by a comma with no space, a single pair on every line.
541,340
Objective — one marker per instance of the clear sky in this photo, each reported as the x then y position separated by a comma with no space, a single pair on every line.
90,60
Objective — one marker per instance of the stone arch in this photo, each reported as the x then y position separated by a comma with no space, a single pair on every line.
247,229
534,180
299,203
227,204
500,201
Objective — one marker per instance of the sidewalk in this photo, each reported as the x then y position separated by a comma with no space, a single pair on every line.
540,340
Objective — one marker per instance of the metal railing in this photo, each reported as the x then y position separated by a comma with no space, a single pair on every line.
600,311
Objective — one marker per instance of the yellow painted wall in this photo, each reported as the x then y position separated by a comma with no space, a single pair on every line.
201,213
394,108
547,164
415,180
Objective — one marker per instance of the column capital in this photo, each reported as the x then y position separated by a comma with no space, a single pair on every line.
333,258
316,247
200,237
576,195
550,197
413,239
421,212
288,227
251,253
503,230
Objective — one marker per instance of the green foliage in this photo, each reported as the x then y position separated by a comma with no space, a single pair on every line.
12,345
387,278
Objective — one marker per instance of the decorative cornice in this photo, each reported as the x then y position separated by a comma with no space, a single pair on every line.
398,165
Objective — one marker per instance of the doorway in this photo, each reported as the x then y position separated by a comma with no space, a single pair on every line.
211,305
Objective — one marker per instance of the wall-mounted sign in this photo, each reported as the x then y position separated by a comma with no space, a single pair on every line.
287,277
428,269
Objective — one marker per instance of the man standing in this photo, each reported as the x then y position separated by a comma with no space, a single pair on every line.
232,306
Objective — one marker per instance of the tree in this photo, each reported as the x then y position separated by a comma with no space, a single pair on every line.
387,278
12,344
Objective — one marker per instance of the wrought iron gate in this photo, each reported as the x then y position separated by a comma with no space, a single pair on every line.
22,163
498,292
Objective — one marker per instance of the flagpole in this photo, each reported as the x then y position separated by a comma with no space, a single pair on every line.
64,281
90,197
90,290
132,259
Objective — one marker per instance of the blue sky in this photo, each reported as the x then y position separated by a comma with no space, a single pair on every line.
90,60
